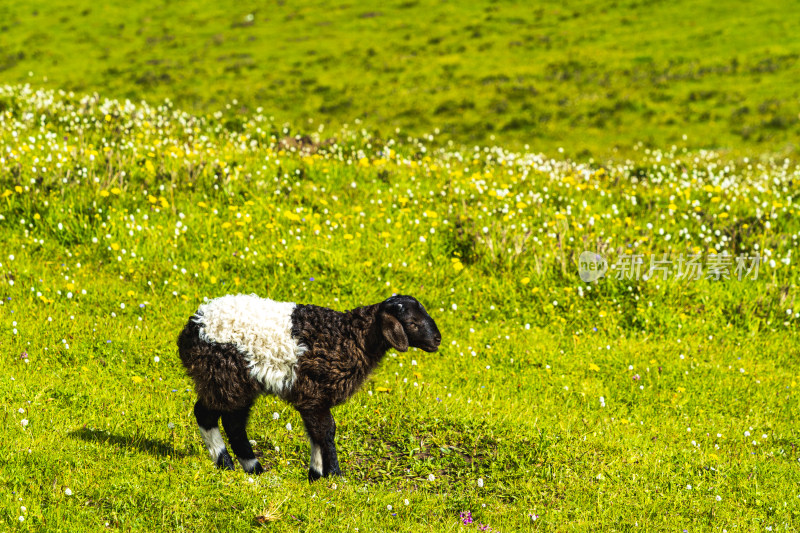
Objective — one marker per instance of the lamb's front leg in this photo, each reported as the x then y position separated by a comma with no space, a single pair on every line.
321,431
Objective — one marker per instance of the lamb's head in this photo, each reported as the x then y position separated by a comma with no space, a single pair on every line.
404,323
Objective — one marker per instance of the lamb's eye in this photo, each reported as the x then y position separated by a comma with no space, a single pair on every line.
413,326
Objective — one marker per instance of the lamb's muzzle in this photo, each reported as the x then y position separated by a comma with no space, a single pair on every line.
236,348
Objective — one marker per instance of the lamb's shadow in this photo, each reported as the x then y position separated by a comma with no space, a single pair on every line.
157,448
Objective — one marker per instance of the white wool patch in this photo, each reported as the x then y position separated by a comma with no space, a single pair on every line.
261,329
213,441
316,459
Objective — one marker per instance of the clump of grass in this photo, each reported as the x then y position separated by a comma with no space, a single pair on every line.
271,513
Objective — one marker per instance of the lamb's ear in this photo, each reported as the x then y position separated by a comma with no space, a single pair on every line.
393,332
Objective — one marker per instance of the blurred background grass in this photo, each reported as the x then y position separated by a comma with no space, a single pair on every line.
596,78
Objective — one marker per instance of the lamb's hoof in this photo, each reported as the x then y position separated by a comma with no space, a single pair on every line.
224,461
251,466
313,475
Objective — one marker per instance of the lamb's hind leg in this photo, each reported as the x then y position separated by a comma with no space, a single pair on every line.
235,424
321,430
208,420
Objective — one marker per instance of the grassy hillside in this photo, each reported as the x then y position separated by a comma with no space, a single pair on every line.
302,152
552,405
595,78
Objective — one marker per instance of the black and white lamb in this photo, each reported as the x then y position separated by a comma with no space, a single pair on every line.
236,348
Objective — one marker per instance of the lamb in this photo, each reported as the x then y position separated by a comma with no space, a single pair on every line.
239,347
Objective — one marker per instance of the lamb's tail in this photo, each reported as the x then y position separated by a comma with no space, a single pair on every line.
188,338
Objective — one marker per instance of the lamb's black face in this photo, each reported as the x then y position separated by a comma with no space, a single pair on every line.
419,328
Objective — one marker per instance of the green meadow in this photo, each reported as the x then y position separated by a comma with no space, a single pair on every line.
593,78
156,154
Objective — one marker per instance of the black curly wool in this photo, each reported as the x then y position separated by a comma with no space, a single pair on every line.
343,348
219,371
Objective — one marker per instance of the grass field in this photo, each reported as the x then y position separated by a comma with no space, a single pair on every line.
594,78
647,400
663,404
